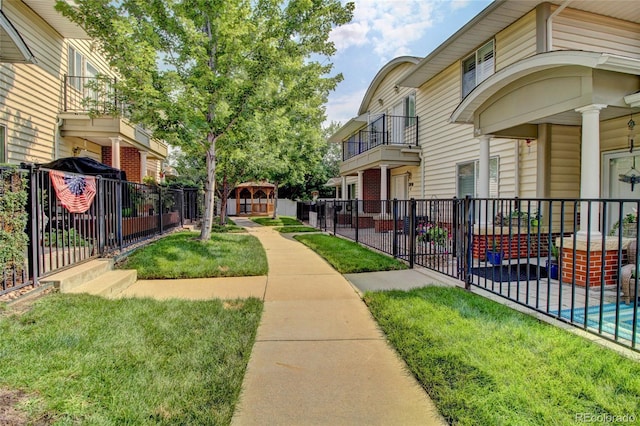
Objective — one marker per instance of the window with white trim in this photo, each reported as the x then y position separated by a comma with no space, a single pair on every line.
410,110
468,176
477,67
75,68
3,145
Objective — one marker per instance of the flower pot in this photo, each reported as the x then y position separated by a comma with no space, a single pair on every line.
494,257
552,269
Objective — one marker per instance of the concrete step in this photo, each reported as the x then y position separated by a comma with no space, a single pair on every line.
109,284
67,280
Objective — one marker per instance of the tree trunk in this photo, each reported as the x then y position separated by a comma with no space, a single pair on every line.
209,190
224,198
275,202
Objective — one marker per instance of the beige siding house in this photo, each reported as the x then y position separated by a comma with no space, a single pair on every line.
529,99
50,101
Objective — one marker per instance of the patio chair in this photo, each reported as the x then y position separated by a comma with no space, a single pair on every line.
628,273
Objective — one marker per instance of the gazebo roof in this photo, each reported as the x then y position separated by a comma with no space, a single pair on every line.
263,184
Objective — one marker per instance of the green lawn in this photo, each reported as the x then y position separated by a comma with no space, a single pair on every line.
295,228
348,257
485,364
78,359
181,255
279,221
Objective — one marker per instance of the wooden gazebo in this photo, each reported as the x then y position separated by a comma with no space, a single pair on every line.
255,199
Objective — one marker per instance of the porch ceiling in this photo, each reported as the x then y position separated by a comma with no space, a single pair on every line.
12,46
45,9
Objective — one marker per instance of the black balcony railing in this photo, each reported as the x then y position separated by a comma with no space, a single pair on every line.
97,95
385,130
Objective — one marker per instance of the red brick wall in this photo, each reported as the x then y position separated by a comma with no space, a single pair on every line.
371,190
595,267
129,161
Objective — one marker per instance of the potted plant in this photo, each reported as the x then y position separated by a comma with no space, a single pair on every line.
552,262
535,219
494,256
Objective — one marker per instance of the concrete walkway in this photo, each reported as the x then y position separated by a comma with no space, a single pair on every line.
319,357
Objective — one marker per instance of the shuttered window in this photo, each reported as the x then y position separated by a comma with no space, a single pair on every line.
477,67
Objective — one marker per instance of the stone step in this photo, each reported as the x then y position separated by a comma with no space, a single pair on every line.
67,280
109,284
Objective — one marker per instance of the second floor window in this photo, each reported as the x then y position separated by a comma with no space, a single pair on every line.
75,68
410,110
477,67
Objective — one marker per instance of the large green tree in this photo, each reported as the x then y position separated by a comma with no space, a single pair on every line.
197,70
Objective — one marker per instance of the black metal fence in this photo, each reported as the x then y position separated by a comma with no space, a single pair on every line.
72,218
571,259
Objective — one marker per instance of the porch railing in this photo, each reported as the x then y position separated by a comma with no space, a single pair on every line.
119,215
96,95
385,130
570,259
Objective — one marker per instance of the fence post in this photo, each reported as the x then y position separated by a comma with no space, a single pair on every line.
335,218
100,215
394,249
357,219
160,209
32,224
468,253
412,232
119,220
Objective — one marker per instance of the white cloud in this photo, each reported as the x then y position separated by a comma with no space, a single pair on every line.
388,26
459,4
344,107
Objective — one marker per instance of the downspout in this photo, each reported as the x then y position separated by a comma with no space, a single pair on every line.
550,23
516,192
56,139
422,191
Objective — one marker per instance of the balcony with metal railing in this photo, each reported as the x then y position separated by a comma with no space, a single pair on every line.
93,110
387,139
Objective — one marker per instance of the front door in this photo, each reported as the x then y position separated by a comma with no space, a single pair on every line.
400,187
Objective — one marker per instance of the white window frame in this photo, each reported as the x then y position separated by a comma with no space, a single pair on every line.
494,177
410,110
483,67
75,64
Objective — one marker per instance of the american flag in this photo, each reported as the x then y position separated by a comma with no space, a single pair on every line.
75,192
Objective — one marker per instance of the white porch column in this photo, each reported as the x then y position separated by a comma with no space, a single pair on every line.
360,191
483,177
115,152
344,188
590,167
143,165
337,192
383,182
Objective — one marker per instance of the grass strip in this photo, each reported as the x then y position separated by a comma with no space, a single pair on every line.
294,228
348,257
485,364
279,221
182,255
85,360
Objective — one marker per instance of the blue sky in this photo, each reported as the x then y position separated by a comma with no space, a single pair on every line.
385,29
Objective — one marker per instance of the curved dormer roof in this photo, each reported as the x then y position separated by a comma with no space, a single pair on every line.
380,76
